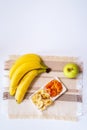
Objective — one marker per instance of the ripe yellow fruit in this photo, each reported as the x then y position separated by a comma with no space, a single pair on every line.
23,59
23,72
25,83
20,72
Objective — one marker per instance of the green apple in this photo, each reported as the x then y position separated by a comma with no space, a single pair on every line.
71,70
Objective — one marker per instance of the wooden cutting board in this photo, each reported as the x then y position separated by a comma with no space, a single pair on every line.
65,107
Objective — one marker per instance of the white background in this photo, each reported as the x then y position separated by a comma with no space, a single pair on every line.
53,27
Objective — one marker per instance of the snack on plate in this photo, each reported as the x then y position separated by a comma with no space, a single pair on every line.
41,99
54,87
45,96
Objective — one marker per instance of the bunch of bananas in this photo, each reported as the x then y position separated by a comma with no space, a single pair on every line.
23,72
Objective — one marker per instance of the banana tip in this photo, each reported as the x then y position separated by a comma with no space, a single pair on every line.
18,101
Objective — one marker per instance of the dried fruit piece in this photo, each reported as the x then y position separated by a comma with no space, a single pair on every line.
40,104
41,99
54,87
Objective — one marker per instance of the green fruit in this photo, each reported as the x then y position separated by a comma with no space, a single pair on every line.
71,70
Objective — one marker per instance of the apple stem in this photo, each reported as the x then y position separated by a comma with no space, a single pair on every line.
70,69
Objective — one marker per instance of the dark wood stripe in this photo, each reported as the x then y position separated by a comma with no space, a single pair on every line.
36,88
71,98
64,97
54,65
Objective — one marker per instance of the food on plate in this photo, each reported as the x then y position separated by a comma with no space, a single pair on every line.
46,95
54,87
23,72
71,70
41,99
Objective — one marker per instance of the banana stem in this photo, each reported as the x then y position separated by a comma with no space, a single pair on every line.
45,67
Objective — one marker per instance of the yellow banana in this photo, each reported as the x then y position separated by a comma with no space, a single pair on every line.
23,59
20,72
25,83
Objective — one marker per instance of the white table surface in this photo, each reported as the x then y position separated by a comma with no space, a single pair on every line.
48,27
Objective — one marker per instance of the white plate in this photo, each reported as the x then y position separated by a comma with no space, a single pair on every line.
64,89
